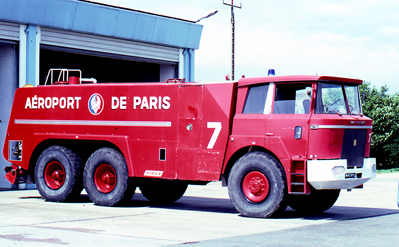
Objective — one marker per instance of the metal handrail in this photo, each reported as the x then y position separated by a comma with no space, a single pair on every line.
64,76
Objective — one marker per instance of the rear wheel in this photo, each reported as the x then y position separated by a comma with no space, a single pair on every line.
58,174
106,178
257,185
317,202
163,191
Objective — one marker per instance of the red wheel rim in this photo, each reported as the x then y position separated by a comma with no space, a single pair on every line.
105,178
255,186
54,175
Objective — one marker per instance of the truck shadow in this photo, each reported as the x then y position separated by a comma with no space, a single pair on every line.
220,205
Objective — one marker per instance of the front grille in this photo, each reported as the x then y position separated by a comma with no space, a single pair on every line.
354,147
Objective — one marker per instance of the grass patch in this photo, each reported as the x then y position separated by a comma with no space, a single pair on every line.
393,170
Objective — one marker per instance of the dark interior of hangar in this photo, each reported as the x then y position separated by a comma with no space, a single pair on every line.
102,68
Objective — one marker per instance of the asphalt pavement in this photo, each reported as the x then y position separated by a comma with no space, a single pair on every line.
203,217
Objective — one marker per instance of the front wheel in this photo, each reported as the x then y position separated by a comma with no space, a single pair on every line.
58,174
257,185
106,178
317,202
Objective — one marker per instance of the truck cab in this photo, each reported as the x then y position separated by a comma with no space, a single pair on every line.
313,126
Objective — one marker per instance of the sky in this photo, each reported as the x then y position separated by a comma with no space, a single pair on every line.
347,38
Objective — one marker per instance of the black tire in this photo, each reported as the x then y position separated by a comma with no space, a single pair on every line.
317,202
106,178
163,191
58,174
257,185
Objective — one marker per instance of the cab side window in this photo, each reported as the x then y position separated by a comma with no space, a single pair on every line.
256,99
292,99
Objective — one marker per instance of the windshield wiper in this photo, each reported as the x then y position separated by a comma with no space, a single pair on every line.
356,113
338,113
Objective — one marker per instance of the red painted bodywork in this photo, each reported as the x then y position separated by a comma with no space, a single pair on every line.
135,132
180,118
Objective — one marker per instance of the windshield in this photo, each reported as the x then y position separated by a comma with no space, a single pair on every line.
337,99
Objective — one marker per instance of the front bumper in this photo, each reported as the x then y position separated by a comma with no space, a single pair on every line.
334,174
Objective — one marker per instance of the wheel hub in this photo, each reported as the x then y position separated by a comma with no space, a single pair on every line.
255,186
105,178
54,175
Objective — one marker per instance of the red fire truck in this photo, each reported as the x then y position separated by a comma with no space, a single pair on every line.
274,141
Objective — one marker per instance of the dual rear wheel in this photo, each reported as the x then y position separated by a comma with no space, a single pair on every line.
58,174
163,191
106,178
61,176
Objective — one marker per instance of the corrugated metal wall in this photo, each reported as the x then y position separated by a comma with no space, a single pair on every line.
9,31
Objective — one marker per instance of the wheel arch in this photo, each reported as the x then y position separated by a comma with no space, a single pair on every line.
238,154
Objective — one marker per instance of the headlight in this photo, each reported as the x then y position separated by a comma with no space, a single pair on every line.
338,171
374,168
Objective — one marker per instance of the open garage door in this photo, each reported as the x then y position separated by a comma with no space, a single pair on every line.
8,85
104,69
102,44
9,38
106,59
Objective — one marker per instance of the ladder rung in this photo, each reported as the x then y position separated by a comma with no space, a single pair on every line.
297,193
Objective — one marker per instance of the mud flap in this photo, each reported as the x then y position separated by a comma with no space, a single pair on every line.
11,173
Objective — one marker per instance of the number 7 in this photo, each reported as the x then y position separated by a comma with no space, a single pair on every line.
218,127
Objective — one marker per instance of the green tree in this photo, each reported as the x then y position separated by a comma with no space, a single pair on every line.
383,108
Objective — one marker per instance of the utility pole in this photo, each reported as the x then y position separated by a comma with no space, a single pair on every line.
232,34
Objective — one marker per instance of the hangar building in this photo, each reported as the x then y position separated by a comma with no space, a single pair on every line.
111,44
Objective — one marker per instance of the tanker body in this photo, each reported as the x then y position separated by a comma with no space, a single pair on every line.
274,141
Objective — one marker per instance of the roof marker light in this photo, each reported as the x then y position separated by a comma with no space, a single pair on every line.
271,72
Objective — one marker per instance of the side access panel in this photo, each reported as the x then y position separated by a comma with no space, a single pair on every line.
205,114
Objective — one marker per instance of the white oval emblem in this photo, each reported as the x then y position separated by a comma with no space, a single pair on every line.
96,104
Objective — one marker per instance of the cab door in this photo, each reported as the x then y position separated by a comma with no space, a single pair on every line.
289,122
288,131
